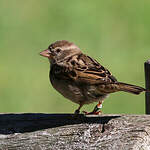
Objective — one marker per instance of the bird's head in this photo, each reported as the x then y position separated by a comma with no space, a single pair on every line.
60,50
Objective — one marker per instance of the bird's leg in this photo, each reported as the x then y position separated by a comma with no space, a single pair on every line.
96,110
78,110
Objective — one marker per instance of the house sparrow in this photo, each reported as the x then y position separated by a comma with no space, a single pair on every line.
80,78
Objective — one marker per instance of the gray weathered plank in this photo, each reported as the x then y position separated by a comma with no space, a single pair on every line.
63,131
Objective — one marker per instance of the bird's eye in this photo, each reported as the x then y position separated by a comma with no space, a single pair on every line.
58,50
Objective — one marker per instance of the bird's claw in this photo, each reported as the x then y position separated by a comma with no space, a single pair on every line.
92,113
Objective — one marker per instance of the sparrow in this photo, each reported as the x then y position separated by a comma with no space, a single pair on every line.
80,78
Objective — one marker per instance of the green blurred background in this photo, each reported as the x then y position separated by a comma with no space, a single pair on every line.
116,33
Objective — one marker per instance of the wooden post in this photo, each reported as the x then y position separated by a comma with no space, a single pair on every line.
147,83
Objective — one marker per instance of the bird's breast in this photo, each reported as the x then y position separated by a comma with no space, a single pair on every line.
67,88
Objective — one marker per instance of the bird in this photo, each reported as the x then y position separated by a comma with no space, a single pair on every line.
80,78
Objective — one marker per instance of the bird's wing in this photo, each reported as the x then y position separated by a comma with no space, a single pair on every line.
87,70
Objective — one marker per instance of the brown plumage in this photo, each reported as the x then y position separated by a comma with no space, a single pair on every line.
81,78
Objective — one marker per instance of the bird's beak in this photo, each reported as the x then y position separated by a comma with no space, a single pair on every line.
46,53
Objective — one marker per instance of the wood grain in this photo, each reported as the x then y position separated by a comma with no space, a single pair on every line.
65,131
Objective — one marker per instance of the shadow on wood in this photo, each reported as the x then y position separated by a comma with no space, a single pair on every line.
29,122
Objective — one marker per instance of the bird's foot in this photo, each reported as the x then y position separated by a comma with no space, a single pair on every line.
77,112
96,110
92,113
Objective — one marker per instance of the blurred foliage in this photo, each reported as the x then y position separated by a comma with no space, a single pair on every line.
116,33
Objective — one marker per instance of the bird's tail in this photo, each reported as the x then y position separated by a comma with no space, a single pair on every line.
130,88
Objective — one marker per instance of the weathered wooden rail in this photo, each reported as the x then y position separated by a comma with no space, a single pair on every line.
63,131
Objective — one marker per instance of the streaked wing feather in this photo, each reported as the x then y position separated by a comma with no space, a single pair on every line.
83,70
93,72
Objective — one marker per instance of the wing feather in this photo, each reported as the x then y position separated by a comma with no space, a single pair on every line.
83,69
91,72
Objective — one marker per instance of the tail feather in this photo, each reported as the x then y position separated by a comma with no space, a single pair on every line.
131,88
